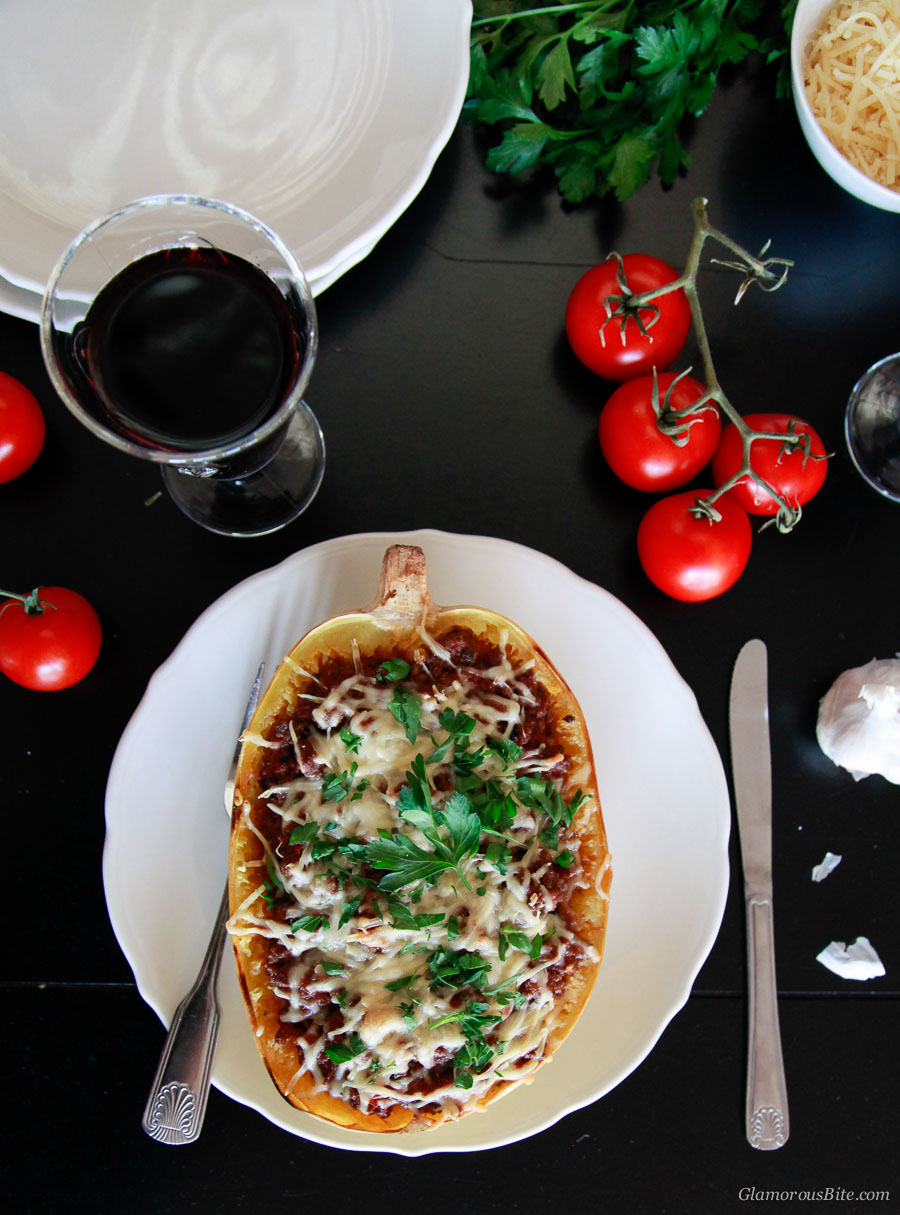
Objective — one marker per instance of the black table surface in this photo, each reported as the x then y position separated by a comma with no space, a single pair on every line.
443,349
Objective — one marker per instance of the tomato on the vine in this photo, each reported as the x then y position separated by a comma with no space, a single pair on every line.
22,428
616,348
693,558
641,454
794,474
49,639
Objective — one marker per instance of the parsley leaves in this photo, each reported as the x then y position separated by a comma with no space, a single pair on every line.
598,90
343,1052
336,785
392,669
407,708
457,968
476,1053
453,833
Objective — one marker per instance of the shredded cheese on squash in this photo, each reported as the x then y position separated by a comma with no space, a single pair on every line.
377,970
852,82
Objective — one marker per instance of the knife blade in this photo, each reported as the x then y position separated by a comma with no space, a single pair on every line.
177,1103
767,1123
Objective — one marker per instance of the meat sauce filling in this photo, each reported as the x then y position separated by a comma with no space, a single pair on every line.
550,884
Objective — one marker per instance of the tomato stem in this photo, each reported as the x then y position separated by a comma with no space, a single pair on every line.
31,604
769,273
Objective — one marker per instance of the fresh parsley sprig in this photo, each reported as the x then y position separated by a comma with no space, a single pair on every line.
598,90
343,1052
407,708
337,785
544,796
392,669
457,968
476,1054
454,832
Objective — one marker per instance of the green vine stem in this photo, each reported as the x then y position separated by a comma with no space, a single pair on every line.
769,273
32,605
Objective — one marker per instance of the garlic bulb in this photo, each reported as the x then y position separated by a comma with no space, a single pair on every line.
859,720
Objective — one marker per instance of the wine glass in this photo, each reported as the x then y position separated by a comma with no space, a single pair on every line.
182,330
872,426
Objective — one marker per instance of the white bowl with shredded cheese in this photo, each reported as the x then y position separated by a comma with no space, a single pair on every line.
845,71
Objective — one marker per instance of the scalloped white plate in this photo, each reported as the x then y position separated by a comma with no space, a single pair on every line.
662,787
322,118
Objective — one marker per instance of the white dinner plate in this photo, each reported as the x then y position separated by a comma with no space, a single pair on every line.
322,118
662,788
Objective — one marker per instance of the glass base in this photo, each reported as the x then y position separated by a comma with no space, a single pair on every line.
872,427
263,501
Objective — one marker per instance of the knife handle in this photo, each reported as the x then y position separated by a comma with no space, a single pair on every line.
767,1107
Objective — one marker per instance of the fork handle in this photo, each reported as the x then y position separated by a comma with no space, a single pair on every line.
767,1107
177,1102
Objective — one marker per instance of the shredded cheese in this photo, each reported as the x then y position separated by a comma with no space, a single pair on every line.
852,82
375,966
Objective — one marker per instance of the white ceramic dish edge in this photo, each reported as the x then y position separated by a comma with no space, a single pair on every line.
129,932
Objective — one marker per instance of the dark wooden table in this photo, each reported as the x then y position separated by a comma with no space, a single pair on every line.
443,347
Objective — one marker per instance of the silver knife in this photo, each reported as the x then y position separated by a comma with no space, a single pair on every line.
767,1108
177,1103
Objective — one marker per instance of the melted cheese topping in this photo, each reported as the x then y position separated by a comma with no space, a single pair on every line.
853,86
359,970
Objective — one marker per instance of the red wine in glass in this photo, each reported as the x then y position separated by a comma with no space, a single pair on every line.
183,331
187,349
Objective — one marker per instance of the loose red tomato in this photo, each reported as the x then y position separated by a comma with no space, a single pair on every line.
693,558
49,639
642,455
617,349
796,476
21,428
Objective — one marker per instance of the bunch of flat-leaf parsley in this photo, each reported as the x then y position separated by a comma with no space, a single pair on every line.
598,89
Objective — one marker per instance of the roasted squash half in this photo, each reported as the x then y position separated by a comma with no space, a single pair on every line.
419,873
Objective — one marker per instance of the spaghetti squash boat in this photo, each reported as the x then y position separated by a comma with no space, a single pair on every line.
419,874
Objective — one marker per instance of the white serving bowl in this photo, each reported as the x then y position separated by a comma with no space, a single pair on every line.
807,18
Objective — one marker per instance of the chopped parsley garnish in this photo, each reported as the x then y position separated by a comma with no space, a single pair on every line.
515,998
309,923
476,1054
336,785
550,836
332,968
402,917
565,858
472,1020
497,852
399,984
343,1052
349,911
304,833
392,670
457,968
458,726
453,832
323,849
274,888
508,751
519,940
543,795
407,708
350,740
495,807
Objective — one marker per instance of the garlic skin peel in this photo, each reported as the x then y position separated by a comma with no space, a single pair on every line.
859,720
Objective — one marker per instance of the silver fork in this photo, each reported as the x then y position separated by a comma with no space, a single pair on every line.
177,1102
